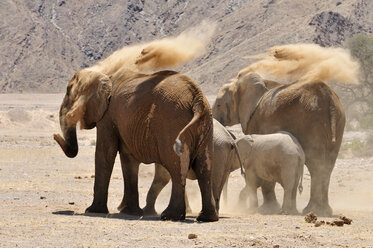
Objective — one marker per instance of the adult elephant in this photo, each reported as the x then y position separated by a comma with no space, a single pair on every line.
311,111
141,116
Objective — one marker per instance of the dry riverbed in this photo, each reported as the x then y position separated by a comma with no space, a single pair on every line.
43,195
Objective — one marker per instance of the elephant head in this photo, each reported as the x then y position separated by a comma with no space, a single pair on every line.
237,101
86,100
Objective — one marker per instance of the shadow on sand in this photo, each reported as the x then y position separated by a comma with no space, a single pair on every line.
189,218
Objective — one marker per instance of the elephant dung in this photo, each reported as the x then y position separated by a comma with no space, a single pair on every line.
346,220
338,222
319,223
310,217
192,236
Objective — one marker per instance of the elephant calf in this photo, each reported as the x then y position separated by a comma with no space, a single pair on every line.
274,158
225,151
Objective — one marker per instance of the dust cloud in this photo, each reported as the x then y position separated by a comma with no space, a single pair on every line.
306,63
160,54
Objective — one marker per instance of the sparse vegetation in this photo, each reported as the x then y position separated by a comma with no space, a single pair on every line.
357,148
361,47
366,121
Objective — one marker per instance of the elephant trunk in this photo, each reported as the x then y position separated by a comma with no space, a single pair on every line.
68,142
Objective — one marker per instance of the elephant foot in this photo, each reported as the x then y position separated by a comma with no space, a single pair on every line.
132,211
94,208
252,210
149,211
172,214
289,211
208,216
324,210
272,207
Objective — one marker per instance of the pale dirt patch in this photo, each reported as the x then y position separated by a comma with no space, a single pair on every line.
43,195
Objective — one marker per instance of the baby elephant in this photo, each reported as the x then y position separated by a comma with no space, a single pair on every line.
274,157
225,151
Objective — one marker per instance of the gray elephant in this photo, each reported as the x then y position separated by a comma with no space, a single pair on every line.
311,111
273,158
225,151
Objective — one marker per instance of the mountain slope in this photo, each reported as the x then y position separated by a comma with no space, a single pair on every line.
44,42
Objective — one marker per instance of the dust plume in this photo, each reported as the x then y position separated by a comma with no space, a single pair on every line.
160,54
307,62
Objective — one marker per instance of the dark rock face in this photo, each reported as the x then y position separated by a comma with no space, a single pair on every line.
331,28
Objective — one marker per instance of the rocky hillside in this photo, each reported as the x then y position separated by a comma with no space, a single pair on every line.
43,42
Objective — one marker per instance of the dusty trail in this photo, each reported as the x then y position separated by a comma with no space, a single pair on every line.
43,196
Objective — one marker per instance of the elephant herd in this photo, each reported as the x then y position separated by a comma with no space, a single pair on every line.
164,118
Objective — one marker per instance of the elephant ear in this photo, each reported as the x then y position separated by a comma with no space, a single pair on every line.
250,81
249,88
98,101
90,94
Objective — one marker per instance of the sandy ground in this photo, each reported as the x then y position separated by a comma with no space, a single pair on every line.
43,195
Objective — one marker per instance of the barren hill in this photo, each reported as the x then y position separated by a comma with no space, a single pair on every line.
43,42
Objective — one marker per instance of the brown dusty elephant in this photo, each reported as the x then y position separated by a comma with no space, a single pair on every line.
310,111
276,157
225,152
141,116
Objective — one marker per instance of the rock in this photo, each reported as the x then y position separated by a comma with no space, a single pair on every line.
71,203
192,236
310,217
276,246
42,197
78,177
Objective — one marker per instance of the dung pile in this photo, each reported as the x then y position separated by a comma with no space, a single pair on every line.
312,218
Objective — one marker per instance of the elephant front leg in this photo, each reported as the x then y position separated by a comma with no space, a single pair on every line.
106,150
130,169
161,179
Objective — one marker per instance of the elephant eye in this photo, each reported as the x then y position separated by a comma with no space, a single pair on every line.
68,89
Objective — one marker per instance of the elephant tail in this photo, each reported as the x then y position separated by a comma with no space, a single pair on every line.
333,120
239,158
300,186
197,113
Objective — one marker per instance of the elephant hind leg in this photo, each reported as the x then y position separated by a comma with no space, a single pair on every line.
289,181
289,201
320,178
202,167
176,208
178,171
270,203
161,179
